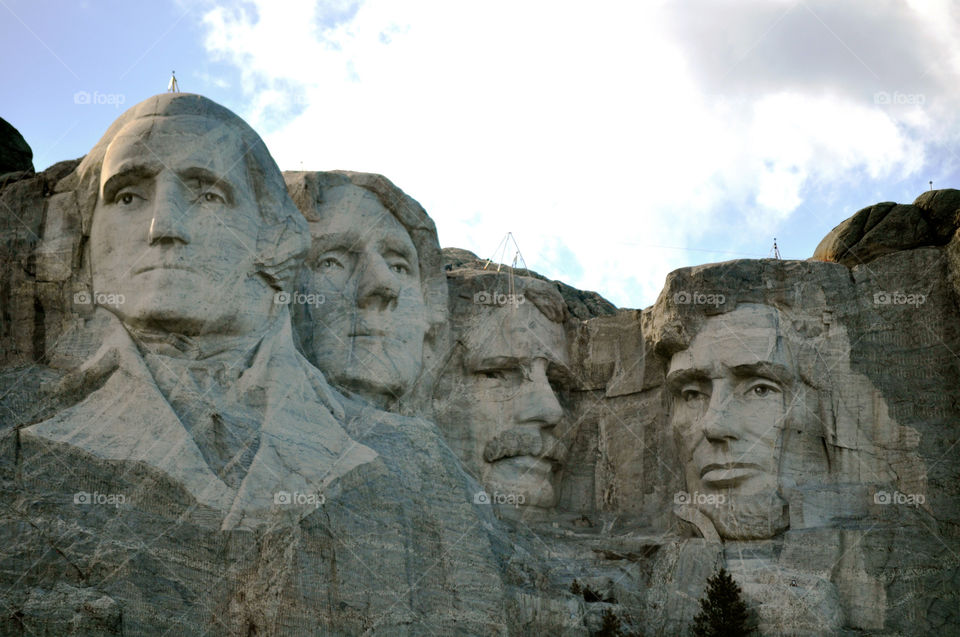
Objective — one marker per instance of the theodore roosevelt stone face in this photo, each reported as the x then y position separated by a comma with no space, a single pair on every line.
499,408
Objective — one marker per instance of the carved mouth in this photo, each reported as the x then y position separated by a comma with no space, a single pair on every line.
729,473
530,466
367,332
149,268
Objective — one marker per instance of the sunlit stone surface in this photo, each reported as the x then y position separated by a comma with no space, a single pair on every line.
235,401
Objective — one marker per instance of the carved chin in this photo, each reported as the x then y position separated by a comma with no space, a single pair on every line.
370,365
523,476
180,316
363,382
749,517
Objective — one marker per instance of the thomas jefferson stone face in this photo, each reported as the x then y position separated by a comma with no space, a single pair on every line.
732,391
175,229
500,417
367,333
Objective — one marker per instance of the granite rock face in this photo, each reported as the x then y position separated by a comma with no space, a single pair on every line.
235,401
856,463
174,410
580,303
374,333
884,228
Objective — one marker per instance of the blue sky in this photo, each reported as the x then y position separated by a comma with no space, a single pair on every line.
616,144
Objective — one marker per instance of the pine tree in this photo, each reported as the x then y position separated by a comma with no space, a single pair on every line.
610,626
723,612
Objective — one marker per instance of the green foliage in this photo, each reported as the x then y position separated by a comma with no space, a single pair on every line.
610,626
590,595
723,612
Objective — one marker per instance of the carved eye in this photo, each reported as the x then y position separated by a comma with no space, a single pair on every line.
212,197
329,262
126,198
688,395
399,268
763,389
502,376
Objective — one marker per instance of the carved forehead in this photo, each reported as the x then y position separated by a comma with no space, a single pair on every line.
355,214
184,141
513,332
751,335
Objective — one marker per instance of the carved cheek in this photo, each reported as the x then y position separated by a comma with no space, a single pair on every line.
762,421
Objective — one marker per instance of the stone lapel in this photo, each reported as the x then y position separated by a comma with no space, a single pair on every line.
303,448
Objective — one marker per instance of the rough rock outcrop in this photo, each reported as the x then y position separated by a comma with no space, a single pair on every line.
581,304
343,432
888,227
15,153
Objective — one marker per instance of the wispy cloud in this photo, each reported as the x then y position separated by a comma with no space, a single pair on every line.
597,136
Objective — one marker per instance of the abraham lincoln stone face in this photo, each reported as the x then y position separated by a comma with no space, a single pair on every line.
732,391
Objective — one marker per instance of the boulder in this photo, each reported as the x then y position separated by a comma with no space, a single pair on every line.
888,227
15,153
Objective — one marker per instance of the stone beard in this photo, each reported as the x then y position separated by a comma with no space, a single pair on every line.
733,390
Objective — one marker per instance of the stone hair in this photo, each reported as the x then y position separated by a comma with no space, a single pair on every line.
283,240
308,189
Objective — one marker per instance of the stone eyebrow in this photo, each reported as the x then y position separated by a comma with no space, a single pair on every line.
400,248
206,176
126,176
682,376
764,369
495,362
330,240
136,172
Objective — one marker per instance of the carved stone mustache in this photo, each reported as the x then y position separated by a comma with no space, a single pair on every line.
524,442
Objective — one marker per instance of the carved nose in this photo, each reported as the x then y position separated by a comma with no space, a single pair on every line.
718,422
538,403
377,286
167,225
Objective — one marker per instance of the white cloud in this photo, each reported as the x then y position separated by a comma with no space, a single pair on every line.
588,134
796,138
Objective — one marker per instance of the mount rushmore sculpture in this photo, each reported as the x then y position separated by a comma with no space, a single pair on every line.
240,401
